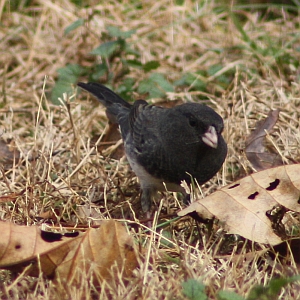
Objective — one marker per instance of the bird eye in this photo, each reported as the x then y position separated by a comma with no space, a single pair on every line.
192,122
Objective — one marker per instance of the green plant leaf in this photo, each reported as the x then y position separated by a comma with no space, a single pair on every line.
129,50
151,65
160,79
271,291
156,86
67,78
134,63
214,69
116,32
74,25
168,235
194,290
226,295
191,80
106,49
126,88
145,86
70,73
59,89
99,71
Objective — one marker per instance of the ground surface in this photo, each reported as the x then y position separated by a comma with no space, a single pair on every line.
243,61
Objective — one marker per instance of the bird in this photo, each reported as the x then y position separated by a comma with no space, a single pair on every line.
165,146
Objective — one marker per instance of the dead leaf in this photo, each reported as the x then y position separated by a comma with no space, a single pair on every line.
256,151
50,215
67,257
247,206
8,153
88,212
10,197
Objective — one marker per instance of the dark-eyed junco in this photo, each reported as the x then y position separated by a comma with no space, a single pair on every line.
165,145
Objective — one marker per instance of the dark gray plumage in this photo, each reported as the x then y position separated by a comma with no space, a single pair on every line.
165,145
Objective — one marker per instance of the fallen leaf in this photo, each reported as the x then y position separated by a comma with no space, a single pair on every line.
49,215
254,206
10,197
88,212
8,153
67,257
256,151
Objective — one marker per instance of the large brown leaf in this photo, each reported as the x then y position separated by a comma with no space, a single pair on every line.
65,257
246,207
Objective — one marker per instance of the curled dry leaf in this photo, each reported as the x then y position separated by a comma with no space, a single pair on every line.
256,151
67,257
254,206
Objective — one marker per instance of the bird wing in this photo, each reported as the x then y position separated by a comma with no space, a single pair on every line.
146,138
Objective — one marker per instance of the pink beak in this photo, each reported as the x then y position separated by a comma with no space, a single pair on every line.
210,137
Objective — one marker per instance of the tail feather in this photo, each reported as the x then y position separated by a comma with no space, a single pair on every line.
117,109
103,94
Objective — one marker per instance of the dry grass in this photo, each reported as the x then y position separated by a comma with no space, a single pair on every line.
60,167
